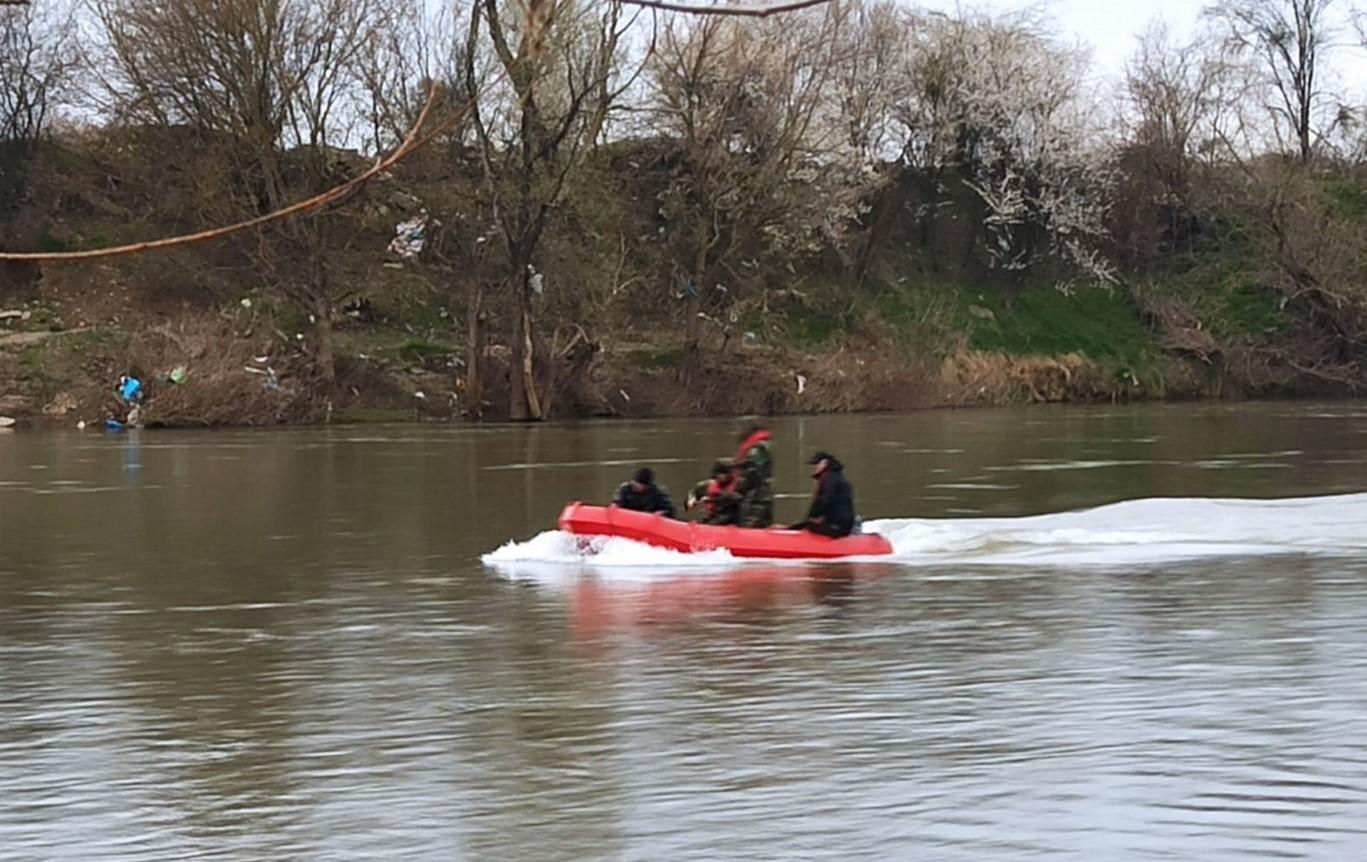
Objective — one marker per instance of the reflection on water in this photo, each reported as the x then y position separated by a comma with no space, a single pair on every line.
284,646
599,608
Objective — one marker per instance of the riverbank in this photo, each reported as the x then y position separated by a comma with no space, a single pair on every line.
63,351
237,372
924,323
396,359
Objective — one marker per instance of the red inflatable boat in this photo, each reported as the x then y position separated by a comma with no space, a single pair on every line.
688,537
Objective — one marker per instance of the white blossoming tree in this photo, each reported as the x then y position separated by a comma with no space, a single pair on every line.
1001,106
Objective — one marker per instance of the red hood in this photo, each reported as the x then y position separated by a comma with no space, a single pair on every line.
751,442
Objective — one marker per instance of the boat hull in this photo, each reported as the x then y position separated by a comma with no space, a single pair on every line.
686,537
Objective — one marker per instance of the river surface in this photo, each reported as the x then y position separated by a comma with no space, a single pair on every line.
1106,634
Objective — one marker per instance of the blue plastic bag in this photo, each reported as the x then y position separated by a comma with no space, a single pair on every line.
130,389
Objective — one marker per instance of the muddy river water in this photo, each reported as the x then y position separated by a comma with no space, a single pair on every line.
1106,633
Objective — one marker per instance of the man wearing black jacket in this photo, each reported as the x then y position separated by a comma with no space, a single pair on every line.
641,494
832,511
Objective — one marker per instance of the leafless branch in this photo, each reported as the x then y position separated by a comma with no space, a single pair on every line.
415,141
738,10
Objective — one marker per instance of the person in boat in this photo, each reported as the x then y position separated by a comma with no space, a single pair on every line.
753,468
832,510
641,494
716,495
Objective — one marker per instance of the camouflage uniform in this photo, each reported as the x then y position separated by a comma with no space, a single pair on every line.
720,508
756,486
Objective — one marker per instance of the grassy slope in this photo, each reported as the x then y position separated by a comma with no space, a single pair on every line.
906,317
938,317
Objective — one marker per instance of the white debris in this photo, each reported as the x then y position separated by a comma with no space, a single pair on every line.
410,237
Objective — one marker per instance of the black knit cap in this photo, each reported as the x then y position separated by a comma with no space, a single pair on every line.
645,476
818,457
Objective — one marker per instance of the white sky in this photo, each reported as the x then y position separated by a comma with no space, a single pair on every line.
1111,27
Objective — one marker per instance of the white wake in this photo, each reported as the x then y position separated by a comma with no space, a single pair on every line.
1133,532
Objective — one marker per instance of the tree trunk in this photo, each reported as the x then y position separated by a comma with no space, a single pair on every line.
692,358
317,300
693,323
474,349
517,381
692,365
326,356
881,219
524,406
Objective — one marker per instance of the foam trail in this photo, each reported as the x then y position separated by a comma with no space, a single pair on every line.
1138,531
556,555
1134,532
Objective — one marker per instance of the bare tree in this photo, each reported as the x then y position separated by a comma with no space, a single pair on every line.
412,48
1353,121
1290,38
1175,94
558,61
869,80
870,84
266,86
1170,87
38,58
764,162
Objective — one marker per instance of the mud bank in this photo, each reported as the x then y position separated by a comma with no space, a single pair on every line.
236,375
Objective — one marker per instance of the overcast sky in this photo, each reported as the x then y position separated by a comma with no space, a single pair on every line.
1110,27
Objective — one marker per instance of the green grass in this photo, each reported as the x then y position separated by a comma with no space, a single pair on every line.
48,243
93,233
811,330
63,361
1250,309
921,313
657,358
903,306
1230,296
423,351
1347,199
933,315
1098,323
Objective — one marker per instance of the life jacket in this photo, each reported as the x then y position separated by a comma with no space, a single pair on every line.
751,442
715,489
